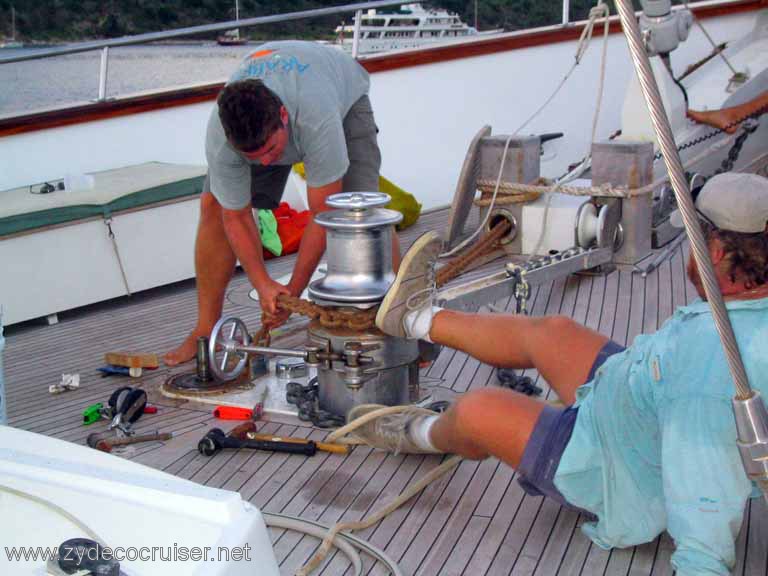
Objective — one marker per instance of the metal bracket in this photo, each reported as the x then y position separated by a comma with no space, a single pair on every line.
521,290
475,293
752,426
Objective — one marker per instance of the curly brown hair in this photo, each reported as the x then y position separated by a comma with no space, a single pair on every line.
249,113
747,254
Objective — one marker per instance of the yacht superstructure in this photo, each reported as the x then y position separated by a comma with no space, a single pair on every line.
411,27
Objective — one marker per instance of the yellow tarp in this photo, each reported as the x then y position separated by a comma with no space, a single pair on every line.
402,201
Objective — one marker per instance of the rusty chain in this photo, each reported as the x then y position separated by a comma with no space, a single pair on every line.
457,265
337,317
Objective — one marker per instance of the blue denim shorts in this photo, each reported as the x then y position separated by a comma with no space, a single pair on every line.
549,438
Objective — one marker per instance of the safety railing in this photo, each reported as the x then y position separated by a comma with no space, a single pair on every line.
105,45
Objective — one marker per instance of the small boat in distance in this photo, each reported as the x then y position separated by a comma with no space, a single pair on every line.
232,37
12,42
410,27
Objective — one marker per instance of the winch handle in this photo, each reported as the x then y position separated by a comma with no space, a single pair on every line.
238,342
231,343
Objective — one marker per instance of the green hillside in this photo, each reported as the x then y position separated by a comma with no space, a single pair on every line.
70,20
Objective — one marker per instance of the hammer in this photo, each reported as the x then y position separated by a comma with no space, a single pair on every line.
216,440
106,444
247,431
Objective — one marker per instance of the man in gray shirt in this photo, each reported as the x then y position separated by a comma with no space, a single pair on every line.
287,102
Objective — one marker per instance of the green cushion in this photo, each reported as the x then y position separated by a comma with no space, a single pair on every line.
28,211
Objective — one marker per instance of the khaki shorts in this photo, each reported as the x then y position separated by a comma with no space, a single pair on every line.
268,182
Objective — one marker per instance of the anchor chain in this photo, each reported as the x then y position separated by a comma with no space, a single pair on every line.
457,265
336,317
733,153
306,398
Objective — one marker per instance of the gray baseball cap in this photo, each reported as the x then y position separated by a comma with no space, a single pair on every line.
732,201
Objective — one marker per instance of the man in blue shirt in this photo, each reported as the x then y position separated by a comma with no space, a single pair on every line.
647,440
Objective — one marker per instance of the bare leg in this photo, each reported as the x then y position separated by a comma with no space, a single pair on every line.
214,265
726,118
562,350
487,422
722,119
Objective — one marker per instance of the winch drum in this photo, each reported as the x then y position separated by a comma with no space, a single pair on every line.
359,250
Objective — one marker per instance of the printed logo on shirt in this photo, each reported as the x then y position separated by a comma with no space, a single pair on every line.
265,63
260,54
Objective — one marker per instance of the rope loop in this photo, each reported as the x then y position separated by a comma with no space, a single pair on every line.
359,320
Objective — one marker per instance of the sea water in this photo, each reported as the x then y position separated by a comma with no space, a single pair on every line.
74,79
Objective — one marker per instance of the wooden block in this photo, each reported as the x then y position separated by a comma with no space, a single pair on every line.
132,359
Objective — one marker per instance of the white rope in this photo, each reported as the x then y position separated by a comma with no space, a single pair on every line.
600,10
337,436
607,190
406,495
346,543
111,234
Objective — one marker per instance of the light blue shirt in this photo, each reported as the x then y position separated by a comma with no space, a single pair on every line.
654,444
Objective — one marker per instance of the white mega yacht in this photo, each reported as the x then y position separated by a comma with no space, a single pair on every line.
410,27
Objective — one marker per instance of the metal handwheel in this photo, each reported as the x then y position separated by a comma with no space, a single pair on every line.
227,336
358,200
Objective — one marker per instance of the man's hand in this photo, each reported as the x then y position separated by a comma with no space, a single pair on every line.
270,322
268,291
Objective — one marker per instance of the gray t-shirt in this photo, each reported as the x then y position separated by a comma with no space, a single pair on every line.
317,85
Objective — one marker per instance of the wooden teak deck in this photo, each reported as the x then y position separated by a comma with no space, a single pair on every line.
474,521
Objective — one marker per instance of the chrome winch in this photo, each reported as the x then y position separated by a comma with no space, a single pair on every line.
353,366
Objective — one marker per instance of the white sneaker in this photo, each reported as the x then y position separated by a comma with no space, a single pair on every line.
413,288
391,432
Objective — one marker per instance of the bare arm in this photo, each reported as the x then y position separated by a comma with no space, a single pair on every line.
244,238
313,241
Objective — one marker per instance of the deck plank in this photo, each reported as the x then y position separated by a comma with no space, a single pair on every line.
620,329
441,554
637,308
398,530
492,546
516,536
475,521
608,304
434,522
558,543
661,564
576,554
365,500
538,537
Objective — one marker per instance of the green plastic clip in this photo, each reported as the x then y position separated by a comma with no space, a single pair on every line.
92,414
